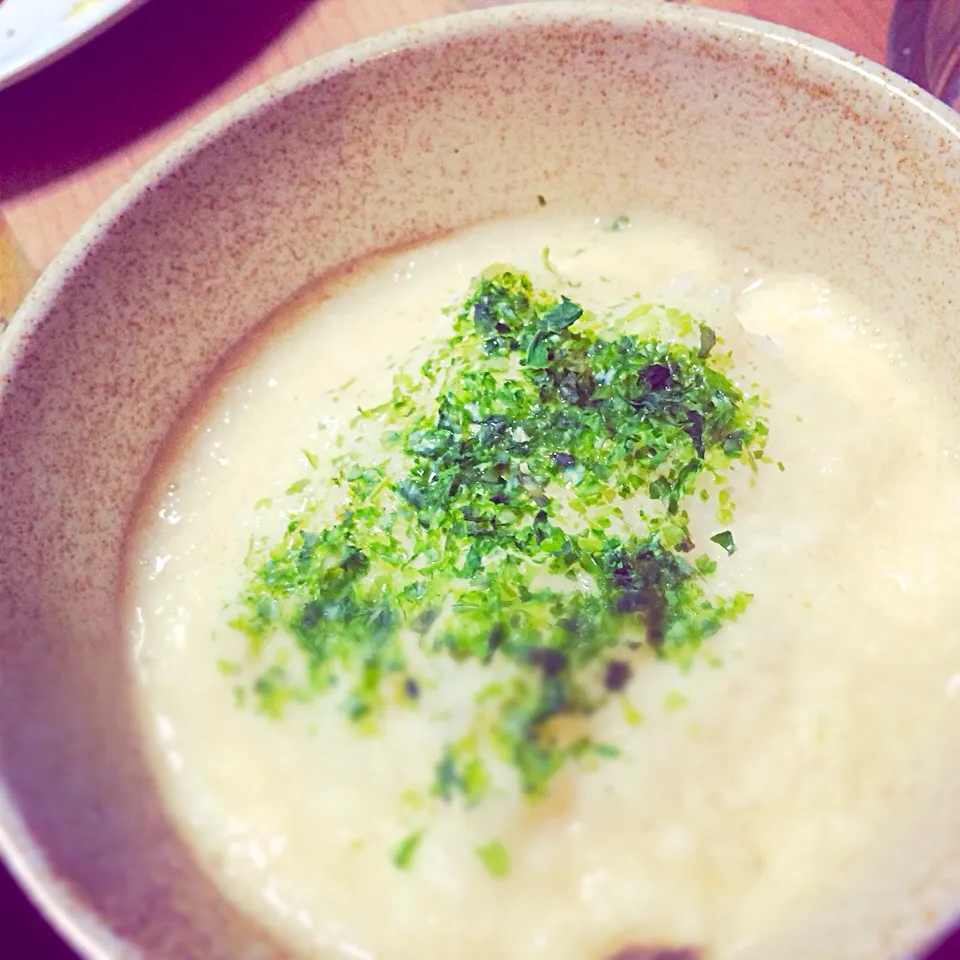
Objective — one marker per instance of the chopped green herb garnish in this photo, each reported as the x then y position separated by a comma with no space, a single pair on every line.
406,849
263,504
413,799
630,713
708,340
495,857
620,223
298,486
674,700
529,509
312,458
563,315
725,540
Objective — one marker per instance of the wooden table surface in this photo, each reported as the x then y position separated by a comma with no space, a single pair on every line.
74,132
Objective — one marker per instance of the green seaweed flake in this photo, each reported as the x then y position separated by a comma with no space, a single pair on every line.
529,511
495,858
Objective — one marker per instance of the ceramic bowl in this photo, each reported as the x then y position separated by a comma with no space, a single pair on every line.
810,157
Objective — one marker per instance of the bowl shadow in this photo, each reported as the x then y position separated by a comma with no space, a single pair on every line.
136,76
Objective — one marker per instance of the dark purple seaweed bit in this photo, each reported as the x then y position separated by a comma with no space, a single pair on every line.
635,952
617,675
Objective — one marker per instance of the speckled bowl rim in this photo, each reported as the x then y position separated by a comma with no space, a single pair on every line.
82,930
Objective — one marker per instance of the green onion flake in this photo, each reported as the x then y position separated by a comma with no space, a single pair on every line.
527,513
495,858
406,849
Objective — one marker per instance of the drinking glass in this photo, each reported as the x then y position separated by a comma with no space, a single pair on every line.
924,46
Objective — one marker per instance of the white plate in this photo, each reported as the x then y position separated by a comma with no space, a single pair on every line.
35,32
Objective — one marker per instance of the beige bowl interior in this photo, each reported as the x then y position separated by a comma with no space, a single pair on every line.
802,154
